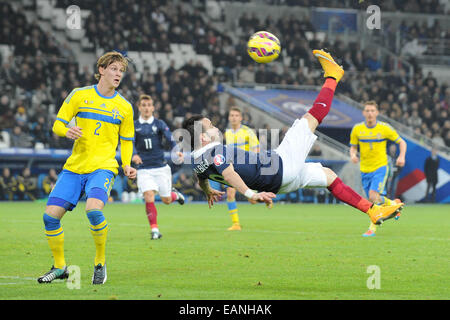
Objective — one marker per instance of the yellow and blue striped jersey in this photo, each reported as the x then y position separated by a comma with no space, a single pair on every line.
243,138
372,144
103,121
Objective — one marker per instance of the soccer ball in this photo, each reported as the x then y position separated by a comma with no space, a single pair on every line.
263,47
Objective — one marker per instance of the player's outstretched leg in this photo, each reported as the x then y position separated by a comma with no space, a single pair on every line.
377,214
321,106
330,67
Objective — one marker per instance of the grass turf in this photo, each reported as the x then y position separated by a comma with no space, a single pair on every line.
290,252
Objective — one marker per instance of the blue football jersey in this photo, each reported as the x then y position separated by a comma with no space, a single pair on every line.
260,171
148,143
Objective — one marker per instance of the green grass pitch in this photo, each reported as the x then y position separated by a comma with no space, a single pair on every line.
295,251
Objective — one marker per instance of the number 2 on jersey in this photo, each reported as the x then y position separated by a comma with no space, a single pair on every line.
99,124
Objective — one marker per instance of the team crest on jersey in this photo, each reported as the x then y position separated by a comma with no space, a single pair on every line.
115,113
219,159
88,101
154,128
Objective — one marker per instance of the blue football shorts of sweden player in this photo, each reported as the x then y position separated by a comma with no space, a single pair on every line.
70,187
375,180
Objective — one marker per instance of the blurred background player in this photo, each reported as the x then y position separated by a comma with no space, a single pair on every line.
154,174
240,136
431,167
103,117
371,137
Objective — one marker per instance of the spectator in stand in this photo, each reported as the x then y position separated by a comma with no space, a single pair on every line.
58,142
189,186
20,139
8,185
27,185
40,130
49,181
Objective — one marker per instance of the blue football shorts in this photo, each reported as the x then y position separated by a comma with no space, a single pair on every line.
375,180
70,187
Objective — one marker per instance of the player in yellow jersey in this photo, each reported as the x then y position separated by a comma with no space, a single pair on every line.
243,137
103,117
371,137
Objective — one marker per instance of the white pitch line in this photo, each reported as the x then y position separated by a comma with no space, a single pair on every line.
17,277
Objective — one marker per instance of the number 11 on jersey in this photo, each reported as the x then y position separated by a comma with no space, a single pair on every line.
148,143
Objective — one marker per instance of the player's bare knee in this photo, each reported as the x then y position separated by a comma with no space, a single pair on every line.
149,196
330,175
55,211
94,204
312,122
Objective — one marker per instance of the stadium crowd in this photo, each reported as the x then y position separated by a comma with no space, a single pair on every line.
413,6
40,73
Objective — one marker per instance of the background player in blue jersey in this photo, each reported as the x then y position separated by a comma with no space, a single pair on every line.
282,170
154,174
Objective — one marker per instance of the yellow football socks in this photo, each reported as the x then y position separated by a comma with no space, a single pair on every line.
99,231
55,237
233,211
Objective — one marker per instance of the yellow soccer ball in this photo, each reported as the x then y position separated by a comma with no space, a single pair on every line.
263,47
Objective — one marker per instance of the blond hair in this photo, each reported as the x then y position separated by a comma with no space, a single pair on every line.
235,108
143,97
371,103
110,57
